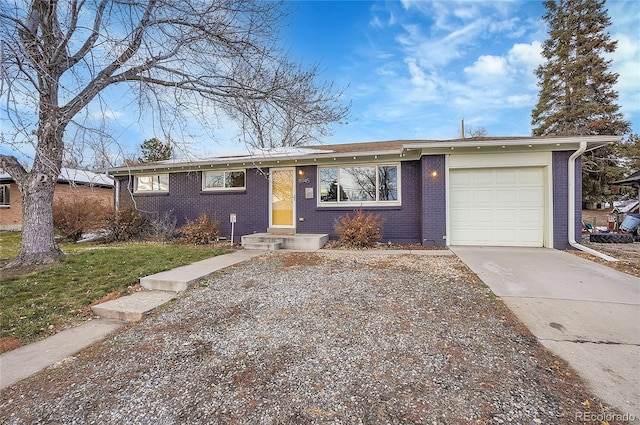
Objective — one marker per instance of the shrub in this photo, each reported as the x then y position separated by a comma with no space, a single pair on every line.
359,230
163,227
201,231
126,224
74,216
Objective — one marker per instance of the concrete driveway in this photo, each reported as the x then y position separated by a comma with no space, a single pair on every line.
584,312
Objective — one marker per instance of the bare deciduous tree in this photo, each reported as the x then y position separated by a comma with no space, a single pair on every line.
185,59
301,119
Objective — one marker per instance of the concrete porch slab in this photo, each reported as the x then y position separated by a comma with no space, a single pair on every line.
299,241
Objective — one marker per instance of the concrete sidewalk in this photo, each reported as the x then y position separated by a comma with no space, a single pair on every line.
23,362
584,312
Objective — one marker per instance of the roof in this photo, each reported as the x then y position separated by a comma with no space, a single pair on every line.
404,149
632,180
74,176
626,207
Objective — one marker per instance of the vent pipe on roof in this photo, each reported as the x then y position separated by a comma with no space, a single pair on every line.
572,205
462,129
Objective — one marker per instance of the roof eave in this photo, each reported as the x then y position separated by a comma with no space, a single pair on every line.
265,161
548,143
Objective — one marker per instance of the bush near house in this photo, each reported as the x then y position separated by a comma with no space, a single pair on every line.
73,217
126,224
201,231
359,230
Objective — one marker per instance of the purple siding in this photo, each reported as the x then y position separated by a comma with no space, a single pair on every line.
402,223
420,219
561,199
186,201
434,189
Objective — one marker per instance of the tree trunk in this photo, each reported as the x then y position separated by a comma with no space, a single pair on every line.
38,242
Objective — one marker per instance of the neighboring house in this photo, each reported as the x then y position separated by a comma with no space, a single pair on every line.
632,181
489,191
71,183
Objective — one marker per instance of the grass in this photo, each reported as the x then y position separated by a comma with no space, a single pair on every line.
40,303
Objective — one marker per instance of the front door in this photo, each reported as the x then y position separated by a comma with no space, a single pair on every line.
283,198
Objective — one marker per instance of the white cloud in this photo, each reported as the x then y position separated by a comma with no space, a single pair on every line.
488,68
626,62
524,55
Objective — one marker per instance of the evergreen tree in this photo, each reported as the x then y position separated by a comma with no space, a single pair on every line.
154,150
576,87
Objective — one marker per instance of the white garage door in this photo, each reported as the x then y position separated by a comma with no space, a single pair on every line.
497,206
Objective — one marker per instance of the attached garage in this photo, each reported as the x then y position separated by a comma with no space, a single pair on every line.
502,206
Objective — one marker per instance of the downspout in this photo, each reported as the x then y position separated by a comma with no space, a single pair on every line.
572,205
116,197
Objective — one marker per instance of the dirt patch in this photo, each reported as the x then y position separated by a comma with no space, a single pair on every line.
628,255
16,271
9,343
296,259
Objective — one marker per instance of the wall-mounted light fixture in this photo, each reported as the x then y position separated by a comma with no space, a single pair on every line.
434,174
301,177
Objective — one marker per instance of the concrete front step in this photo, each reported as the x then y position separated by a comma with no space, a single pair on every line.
266,246
132,307
300,241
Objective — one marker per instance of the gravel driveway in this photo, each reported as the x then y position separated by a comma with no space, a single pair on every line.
315,338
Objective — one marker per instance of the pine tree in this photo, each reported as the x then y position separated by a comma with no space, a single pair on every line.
576,87
154,150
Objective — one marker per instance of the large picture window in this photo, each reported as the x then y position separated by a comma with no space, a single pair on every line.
223,180
152,183
359,185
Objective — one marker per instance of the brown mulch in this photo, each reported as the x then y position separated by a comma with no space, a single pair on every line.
334,244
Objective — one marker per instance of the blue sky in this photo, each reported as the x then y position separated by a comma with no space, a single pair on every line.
415,69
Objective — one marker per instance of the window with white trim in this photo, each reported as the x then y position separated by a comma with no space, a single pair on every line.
151,183
360,185
4,195
224,180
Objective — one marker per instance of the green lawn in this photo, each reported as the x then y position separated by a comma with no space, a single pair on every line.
37,304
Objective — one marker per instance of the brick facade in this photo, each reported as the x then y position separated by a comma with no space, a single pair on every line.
434,206
421,217
186,201
401,223
560,187
11,217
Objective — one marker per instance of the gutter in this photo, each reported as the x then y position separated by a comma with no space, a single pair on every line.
572,206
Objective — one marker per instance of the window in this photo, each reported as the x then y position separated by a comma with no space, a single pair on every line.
152,183
371,184
223,180
4,195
